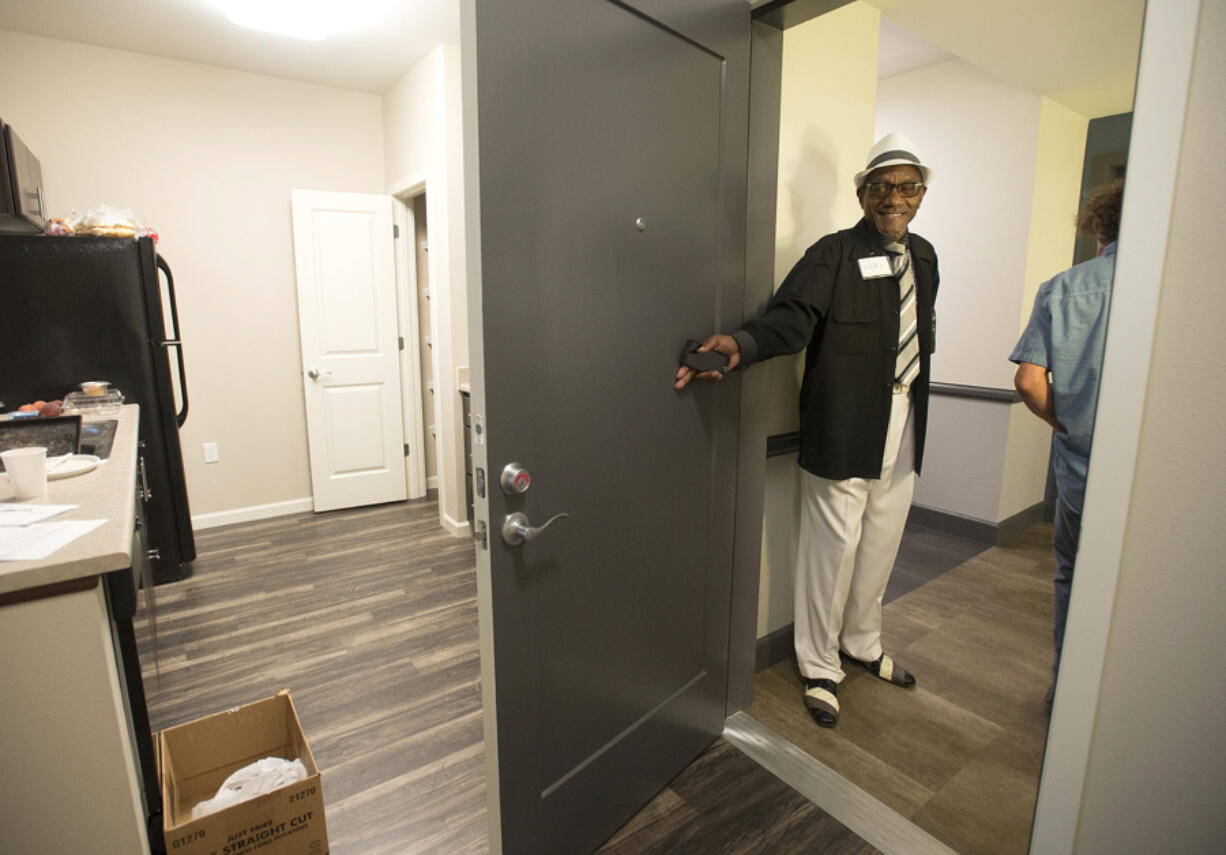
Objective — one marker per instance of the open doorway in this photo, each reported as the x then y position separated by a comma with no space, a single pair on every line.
417,363
984,473
425,338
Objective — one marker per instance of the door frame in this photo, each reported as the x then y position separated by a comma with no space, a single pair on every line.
1160,106
410,334
449,433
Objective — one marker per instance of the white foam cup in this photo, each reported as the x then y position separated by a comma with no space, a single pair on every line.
27,471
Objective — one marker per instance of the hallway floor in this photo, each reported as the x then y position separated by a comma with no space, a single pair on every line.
960,754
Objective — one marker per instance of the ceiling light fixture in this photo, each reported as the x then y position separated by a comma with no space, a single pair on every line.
310,20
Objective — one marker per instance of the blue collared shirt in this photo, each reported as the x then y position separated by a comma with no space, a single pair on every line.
1066,335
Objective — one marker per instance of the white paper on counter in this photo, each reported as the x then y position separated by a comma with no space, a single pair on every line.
15,513
40,540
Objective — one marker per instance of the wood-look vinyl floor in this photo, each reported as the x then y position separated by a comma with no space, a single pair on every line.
726,803
923,555
369,618
960,754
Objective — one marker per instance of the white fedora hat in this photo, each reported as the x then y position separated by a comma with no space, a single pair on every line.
893,150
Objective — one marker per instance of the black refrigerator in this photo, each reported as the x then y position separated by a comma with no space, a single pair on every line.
92,308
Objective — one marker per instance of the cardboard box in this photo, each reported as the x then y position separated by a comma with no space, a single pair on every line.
198,756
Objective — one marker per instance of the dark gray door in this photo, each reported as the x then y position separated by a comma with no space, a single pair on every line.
612,168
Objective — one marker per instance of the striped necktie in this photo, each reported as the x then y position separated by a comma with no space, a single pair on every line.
906,367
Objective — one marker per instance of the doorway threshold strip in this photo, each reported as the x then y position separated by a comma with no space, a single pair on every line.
879,825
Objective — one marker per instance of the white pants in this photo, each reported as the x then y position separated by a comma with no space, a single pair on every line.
849,536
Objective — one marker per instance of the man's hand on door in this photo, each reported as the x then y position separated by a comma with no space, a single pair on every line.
724,344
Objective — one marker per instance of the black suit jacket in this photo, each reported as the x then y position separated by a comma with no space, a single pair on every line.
848,326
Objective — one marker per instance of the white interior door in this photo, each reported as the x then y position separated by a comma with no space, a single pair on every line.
345,264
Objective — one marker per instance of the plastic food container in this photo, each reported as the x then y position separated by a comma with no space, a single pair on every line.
89,403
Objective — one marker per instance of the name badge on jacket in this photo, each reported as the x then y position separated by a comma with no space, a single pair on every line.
875,267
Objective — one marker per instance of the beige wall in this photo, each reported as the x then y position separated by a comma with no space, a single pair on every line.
423,141
1156,776
825,127
208,156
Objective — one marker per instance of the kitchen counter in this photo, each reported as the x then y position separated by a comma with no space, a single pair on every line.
70,743
108,493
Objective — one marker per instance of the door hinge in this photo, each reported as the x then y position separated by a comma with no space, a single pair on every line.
395,231
400,339
406,449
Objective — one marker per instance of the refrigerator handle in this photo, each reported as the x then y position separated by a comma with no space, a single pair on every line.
177,341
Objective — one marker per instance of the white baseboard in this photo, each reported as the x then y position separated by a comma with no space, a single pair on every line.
254,512
457,529
431,482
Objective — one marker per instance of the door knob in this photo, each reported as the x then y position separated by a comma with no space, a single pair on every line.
314,373
516,529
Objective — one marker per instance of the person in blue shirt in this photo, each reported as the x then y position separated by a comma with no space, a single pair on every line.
1059,358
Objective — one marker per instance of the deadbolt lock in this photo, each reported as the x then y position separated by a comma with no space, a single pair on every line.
515,479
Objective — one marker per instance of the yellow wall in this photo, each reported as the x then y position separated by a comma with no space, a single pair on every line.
1053,209
827,111
826,115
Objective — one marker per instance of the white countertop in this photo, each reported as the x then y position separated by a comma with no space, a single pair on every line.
107,492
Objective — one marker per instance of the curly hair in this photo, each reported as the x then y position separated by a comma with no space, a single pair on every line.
1100,214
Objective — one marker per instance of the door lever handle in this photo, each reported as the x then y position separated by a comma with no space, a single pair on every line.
516,529
314,373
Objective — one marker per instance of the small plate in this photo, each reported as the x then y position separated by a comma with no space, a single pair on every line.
73,464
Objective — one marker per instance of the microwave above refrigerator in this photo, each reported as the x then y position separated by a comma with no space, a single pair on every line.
22,204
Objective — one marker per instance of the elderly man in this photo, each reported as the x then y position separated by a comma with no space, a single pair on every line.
1065,338
860,303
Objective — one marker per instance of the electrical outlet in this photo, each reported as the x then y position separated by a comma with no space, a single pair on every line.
210,452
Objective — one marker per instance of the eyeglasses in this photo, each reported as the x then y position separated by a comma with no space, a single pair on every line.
881,189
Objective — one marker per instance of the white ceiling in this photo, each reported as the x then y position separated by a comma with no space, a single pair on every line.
900,50
1082,53
369,58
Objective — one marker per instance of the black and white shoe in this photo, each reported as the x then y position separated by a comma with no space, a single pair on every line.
885,668
822,701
